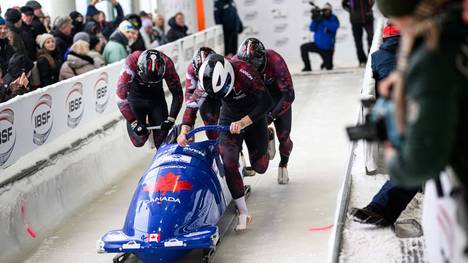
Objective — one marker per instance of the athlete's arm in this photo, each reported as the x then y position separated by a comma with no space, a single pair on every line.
173,83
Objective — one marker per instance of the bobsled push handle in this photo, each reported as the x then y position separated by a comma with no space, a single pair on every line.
191,133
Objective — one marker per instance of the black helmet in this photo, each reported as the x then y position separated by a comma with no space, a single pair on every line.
199,57
151,66
253,51
216,76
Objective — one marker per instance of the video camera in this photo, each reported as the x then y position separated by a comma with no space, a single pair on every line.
379,124
317,12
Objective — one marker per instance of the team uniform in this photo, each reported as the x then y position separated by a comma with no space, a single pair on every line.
144,102
210,108
248,97
275,74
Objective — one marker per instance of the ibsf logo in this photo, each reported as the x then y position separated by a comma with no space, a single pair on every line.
101,93
75,105
281,42
249,16
42,119
249,2
7,135
280,28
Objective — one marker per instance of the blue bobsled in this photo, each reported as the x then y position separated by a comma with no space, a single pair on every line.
177,205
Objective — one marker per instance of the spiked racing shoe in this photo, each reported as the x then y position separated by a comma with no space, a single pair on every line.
283,177
271,143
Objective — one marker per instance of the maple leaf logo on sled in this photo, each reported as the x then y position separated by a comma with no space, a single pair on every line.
168,183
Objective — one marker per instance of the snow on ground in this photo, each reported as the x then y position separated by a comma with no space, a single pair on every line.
364,243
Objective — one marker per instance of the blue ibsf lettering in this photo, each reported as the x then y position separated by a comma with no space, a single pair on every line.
5,135
74,105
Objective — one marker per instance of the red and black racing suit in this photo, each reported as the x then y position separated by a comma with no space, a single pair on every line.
147,103
278,81
248,97
210,108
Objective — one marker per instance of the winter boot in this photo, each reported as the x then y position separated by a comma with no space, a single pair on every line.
246,171
271,143
283,177
366,215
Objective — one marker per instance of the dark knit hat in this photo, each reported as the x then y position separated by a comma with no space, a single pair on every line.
12,15
34,4
397,8
75,14
27,10
91,11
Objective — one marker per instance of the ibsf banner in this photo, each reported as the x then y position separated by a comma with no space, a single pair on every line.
29,121
39,117
284,26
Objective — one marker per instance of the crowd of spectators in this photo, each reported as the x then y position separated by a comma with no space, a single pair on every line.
35,54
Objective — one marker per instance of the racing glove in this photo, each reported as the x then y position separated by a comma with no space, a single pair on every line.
167,124
138,128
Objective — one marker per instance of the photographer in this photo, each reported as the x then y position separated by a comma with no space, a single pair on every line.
324,25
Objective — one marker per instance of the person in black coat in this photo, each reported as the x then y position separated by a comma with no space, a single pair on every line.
178,28
16,80
27,32
362,18
77,22
37,25
13,22
6,50
139,44
62,33
225,14
49,61
108,27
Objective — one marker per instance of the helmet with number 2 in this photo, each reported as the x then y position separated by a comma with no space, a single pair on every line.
216,76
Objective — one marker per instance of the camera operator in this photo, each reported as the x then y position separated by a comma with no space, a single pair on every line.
324,24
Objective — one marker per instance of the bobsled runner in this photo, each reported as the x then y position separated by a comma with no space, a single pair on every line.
181,204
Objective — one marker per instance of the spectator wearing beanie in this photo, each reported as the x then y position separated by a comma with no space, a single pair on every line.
16,80
108,27
27,32
37,24
77,22
97,57
48,61
178,28
148,34
13,22
62,33
78,61
95,49
119,42
139,44
6,50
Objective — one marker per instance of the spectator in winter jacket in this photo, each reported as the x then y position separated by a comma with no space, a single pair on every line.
225,14
360,14
178,28
148,34
6,50
119,42
27,32
324,28
16,80
49,60
37,24
62,33
78,61
388,204
77,22
159,24
139,44
108,27
95,50
13,22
